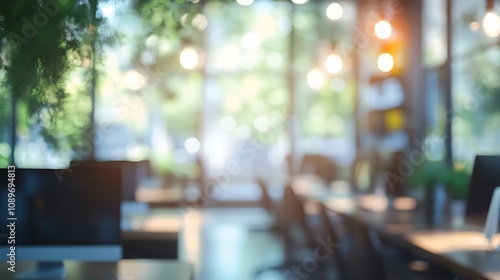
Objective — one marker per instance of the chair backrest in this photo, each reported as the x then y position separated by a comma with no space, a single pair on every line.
320,165
291,207
291,214
330,232
361,260
265,198
485,178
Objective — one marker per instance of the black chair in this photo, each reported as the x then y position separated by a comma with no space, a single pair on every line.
360,260
319,165
289,212
265,199
360,257
292,226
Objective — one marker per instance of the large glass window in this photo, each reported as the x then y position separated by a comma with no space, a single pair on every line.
210,81
475,90
246,96
325,85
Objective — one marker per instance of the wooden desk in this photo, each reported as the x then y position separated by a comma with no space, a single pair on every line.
122,270
155,235
462,249
161,197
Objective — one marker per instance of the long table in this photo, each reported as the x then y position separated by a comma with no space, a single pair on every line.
124,269
462,249
152,235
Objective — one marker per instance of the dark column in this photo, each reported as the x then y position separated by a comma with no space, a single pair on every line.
448,98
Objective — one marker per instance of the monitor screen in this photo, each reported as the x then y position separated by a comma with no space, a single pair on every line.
485,178
132,173
81,208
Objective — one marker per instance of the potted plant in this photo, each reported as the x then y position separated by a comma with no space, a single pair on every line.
439,181
432,176
457,186
457,183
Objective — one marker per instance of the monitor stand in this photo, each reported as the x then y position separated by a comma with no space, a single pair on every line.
44,271
491,227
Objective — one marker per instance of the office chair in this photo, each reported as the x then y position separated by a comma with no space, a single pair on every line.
320,165
290,209
265,199
359,257
292,226
331,232
317,164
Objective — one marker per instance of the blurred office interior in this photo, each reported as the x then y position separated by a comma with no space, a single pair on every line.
234,122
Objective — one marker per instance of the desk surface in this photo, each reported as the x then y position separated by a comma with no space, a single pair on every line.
462,248
161,197
163,223
123,270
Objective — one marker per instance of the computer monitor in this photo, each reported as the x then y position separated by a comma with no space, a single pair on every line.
485,178
76,218
132,173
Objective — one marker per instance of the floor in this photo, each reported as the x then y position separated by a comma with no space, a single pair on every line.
229,243
232,243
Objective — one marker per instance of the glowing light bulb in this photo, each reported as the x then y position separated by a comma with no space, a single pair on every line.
134,80
300,1
385,62
474,26
200,22
491,24
251,41
228,124
337,84
189,58
315,79
383,29
333,64
245,2
334,11
192,145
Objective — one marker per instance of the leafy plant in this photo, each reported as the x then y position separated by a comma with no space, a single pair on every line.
43,42
457,183
430,173
40,43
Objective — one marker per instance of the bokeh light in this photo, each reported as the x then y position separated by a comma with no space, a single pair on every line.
385,62
334,11
134,80
192,145
200,22
491,24
383,29
474,26
337,84
251,41
228,123
245,2
189,58
333,64
315,79
261,124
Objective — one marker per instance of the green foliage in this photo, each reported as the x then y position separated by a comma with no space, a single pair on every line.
41,42
457,183
162,18
430,173
36,53
5,151
4,99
